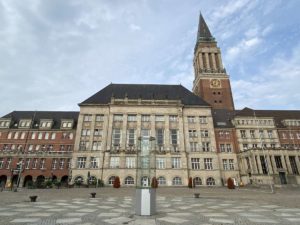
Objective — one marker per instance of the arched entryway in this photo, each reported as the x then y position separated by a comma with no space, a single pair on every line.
3,180
28,181
40,181
15,180
54,178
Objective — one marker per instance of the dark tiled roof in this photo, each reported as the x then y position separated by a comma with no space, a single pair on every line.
145,92
56,116
278,115
222,118
203,30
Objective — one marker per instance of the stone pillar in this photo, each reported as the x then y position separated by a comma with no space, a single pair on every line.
167,135
207,60
220,61
259,164
213,61
200,60
274,164
269,164
297,163
288,164
253,164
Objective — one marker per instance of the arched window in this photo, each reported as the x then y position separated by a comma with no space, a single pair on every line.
111,180
93,179
161,181
197,181
129,180
78,179
176,181
210,181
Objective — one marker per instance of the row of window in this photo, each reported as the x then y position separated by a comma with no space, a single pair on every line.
36,163
266,122
254,134
247,146
194,133
130,162
31,147
129,180
39,135
43,124
290,135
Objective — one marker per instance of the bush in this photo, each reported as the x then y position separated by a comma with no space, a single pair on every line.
117,182
29,184
190,184
100,183
154,183
49,183
78,182
230,183
57,184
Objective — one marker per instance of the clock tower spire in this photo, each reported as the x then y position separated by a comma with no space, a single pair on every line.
211,80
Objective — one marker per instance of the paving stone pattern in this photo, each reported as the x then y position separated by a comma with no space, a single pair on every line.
120,210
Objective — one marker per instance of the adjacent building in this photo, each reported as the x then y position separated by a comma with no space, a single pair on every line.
35,146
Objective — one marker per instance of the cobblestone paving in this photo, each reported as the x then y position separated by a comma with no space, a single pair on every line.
171,209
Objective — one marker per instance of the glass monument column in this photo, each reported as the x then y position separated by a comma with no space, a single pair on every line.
145,197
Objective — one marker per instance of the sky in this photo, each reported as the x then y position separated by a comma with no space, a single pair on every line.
55,54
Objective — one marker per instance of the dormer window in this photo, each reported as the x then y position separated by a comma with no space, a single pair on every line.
46,124
4,123
67,124
24,123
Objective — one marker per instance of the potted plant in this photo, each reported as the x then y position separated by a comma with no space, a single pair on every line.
117,182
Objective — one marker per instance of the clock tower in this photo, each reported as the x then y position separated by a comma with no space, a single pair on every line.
211,80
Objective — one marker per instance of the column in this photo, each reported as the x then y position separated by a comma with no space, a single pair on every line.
274,165
213,61
124,132
253,164
200,60
297,163
259,164
220,61
269,164
207,61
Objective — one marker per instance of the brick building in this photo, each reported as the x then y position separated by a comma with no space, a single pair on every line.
36,146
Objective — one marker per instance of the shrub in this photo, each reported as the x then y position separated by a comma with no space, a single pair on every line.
78,183
117,182
49,183
230,183
100,183
190,183
57,184
154,183
29,184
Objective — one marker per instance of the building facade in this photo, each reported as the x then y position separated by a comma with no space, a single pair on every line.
198,136
35,146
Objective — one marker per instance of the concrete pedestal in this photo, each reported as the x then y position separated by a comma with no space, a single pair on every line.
145,202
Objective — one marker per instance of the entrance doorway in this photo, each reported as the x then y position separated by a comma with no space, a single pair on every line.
282,178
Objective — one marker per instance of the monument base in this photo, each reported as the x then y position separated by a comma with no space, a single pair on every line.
145,202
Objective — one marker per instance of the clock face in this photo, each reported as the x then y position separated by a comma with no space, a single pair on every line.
215,83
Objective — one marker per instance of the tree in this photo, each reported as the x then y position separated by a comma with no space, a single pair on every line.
190,184
117,182
230,183
154,183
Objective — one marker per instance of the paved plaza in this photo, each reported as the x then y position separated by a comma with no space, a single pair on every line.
174,206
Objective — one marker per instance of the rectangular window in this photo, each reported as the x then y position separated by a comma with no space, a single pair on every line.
1,163
194,146
42,163
160,163
191,119
270,133
173,118
174,136
34,163
98,132
53,136
94,163
16,136
23,135
261,133
116,137
205,146
130,137
243,133
131,118
118,117
145,133
263,164
160,137
252,133
33,135
30,148
61,164
83,145
81,162
231,164
8,163
291,135
27,164
245,146
130,162
225,164
202,119
192,133
40,135
54,164
84,132
99,117
159,118
175,162
47,136
228,148
114,162
293,165
96,145
145,118
204,133
87,118
222,147
248,163
208,164
195,163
